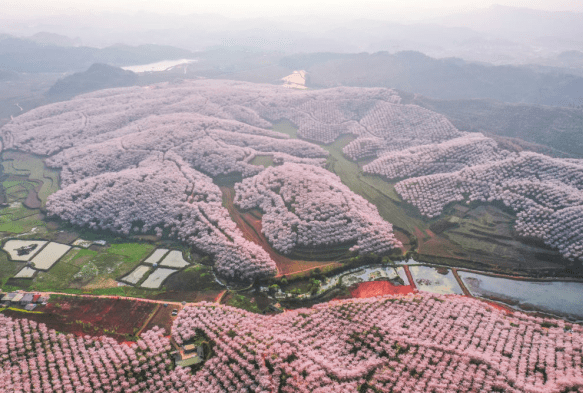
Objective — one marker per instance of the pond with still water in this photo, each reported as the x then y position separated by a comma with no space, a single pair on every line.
562,298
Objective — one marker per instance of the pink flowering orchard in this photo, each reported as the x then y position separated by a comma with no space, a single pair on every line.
414,343
308,206
217,128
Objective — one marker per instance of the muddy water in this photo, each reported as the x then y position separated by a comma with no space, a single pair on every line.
561,298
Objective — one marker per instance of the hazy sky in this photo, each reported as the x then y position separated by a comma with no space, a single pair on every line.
383,9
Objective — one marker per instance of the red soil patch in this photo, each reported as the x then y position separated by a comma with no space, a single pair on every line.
404,239
163,318
220,296
378,288
498,306
250,224
436,245
91,316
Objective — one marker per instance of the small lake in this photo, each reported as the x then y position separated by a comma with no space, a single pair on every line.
555,297
158,66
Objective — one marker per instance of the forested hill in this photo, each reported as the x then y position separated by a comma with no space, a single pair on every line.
557,128
450,78
98,76
22,55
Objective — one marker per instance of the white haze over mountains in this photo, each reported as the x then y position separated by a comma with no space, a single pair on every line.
472,30
387,9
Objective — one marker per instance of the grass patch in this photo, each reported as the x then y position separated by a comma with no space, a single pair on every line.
132,252
116,291
32,168
194,278
286,127
19,219
7,269
265,161
8,184
372,188
240,301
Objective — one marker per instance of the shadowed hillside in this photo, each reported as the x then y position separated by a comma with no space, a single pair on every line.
98,76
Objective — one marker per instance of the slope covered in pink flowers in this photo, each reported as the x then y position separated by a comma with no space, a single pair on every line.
308,206
414,343
143,159
123,141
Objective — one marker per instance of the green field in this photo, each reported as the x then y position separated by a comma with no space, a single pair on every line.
265,161
286,127
90,270
28,172
194,278
17,219
372,188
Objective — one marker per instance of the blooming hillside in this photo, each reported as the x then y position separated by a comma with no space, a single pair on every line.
206,129
546,193
167,196
304,205
143,159
415,343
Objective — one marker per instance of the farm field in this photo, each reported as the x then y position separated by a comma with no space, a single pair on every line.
32,248
156,278
435,280
116,318
28,178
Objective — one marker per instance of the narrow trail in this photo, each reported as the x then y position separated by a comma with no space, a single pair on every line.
219,298
152,315
409,277
461,283
113,297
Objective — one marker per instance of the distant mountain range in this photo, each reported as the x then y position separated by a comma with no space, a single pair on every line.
48,53
519,23
439,78
497,35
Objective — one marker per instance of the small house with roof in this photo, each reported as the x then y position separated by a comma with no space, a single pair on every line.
26,299
17,298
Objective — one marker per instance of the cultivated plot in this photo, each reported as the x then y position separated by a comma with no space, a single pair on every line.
157,278
50,255
136,275
26,272
435,280
174,259
156,255
23,250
